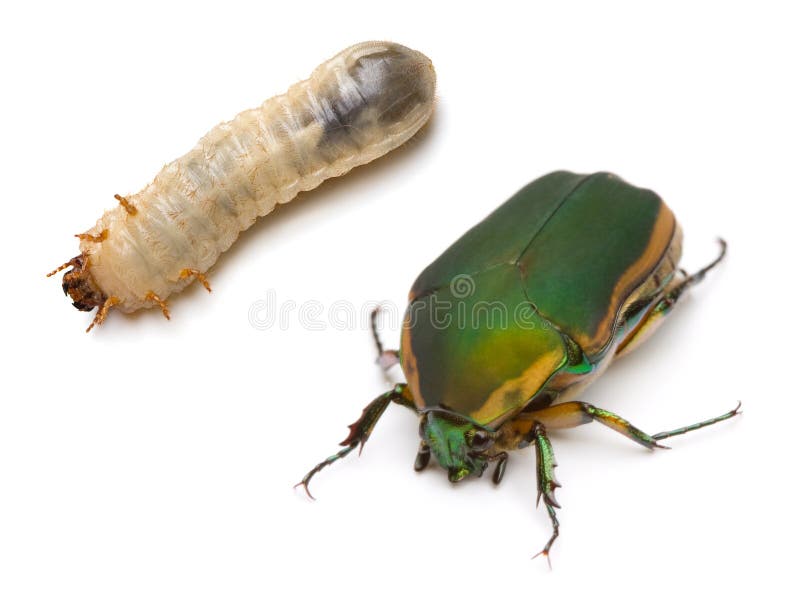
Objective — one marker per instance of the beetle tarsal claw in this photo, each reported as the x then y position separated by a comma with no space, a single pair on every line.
304,483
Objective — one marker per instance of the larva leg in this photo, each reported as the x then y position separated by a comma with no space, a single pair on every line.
161,303
103,312
85,236
191,272
386,358
127,205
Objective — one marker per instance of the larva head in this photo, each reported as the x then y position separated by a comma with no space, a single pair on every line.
80,286
459,445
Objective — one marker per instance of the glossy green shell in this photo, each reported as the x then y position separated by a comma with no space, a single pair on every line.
533,291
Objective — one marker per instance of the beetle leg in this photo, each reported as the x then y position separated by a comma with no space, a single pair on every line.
546,481
500,468
681,430
362,428
572,414
655,316
423,457
386,358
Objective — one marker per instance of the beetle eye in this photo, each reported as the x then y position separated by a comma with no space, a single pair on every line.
480,440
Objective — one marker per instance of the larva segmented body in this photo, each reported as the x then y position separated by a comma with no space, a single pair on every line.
355,107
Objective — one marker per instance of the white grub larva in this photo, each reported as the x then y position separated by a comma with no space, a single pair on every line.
359,105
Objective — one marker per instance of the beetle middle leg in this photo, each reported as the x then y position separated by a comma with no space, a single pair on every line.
573,414
362,428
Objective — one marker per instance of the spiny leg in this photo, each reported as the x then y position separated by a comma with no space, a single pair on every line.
386,358
362,428
546,482
191,272
103,312
160,302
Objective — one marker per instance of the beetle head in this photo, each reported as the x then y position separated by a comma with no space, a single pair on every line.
79,284
459,444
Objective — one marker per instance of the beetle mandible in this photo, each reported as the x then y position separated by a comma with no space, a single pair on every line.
569,274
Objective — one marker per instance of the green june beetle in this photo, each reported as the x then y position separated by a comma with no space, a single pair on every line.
506,328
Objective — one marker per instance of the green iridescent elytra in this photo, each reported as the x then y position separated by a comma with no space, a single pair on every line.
519,315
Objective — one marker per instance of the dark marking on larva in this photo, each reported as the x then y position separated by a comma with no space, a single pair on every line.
372,76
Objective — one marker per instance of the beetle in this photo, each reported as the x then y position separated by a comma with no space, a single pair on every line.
507,327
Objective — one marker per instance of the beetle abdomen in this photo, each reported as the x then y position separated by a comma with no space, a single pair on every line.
362,103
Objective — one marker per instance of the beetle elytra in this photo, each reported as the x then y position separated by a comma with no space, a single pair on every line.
583,268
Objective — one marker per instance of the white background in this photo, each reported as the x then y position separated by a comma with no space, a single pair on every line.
154,460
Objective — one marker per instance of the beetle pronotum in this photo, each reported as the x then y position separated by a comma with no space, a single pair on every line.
364,102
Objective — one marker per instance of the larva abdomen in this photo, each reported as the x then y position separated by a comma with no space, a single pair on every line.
355,107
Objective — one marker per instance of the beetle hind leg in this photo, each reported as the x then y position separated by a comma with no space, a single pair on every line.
386,358
681,430
573,414
662,306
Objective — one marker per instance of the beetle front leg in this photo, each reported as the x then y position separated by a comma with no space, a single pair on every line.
546,481
362,428
423,457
